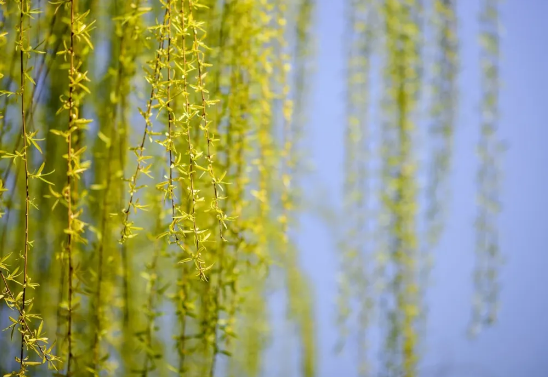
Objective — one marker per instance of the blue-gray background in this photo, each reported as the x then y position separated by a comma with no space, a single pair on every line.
518,344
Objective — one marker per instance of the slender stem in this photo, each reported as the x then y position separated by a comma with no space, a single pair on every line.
69,188
170,143
25,158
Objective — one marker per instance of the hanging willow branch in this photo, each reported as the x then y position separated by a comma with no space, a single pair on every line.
443,110
79,31
490,148
399,199
24,9
355,288
128,230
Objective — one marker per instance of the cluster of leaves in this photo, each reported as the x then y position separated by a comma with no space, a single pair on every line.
31,339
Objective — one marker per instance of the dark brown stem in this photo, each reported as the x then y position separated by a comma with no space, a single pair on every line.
69,189
25,158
